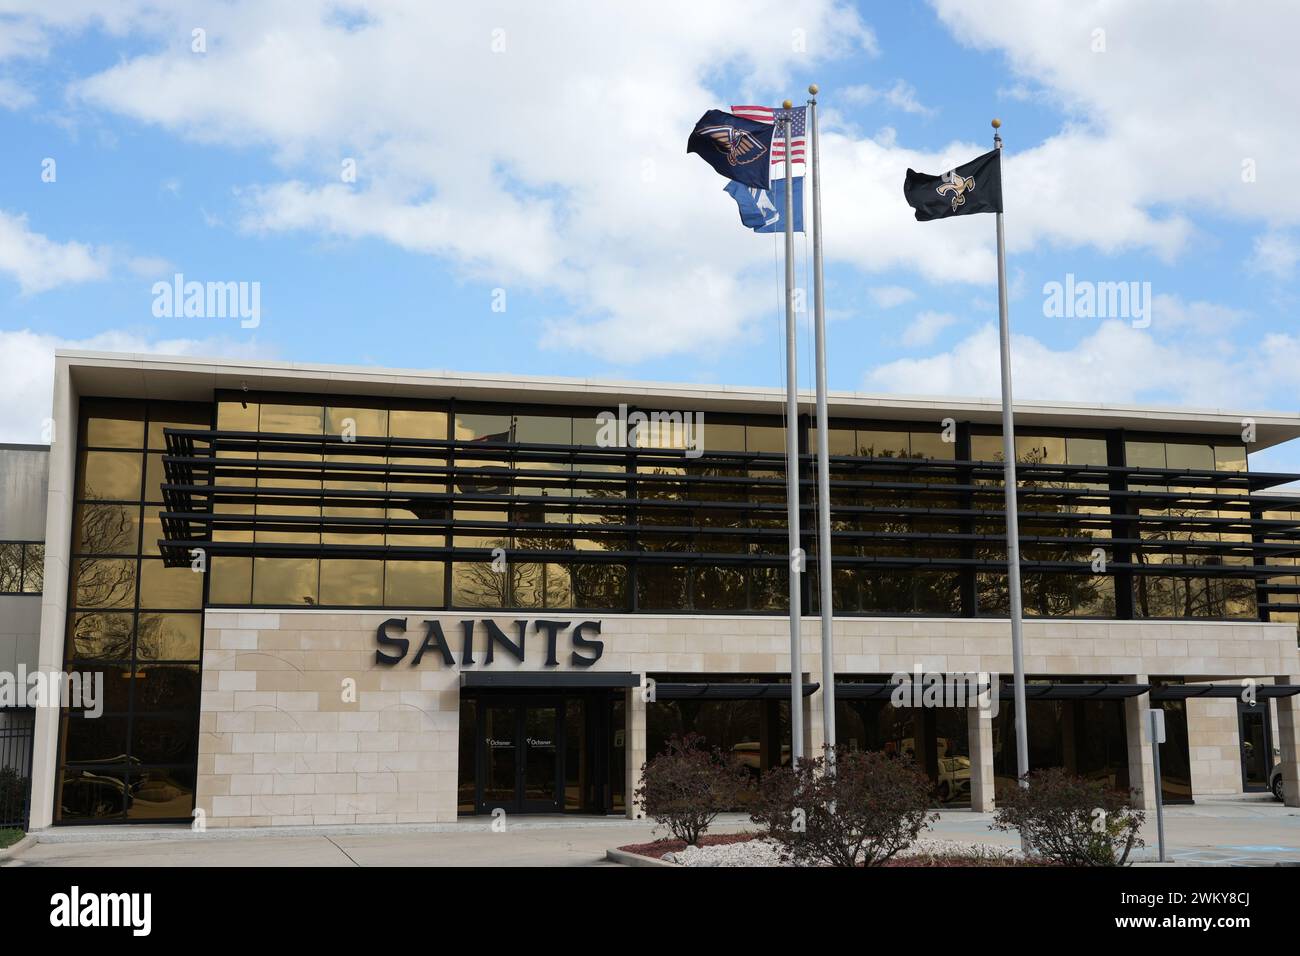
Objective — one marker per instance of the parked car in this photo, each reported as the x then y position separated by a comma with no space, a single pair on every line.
1275,780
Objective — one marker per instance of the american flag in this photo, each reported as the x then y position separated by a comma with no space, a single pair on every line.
798,130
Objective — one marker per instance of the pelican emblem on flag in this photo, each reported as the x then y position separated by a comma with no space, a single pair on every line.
739,146
956,184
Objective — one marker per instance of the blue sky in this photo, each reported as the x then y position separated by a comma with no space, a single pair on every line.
501,148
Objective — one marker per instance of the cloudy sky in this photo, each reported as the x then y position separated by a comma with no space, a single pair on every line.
533,156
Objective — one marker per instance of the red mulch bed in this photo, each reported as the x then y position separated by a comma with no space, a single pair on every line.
667,845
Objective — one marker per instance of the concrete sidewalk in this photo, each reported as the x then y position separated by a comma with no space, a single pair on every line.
1241,831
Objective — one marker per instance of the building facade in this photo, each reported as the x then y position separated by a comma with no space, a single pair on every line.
326,595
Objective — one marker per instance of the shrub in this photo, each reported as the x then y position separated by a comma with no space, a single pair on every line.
687,786
13,795
1070,820
868,809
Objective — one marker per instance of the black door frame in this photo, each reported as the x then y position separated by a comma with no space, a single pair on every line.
520,704
1260,709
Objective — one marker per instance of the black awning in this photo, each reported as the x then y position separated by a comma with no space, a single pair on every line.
549,680
1184,691
706,691
1075,691
855,691
863,691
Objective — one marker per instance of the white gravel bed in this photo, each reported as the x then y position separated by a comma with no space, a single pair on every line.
761,852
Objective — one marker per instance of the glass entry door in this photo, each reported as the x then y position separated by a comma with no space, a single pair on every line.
520,748
1256,746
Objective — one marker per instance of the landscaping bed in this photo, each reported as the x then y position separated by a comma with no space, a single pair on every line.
753,849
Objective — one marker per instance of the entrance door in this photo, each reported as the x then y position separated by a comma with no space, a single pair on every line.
520,748
1256,746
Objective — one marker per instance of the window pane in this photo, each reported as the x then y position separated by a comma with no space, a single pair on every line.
98,739
100,636
111,424
470,427
285,580
33,568
873,443
107,529
414,583
237,416
1144,454
366,422
164,740
599,585
163,687
1230,457
661,587
770,438
351,583
11,568
164,587
1035,449
161,794
414,423
544,429
1085,451
1188,455
296,419
175,415
91,794
719,588
154,478
169,637
104,582
110,475
932,445
230,580
986,448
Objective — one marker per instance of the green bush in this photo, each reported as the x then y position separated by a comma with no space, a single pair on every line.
1070,820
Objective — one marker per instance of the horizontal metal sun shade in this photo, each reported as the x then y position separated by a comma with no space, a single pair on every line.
1061,691
728,691
731,498
1185,691
545,680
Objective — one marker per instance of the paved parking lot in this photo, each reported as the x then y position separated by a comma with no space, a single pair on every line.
1243,831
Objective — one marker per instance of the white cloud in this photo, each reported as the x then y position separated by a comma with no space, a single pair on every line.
889,296
925,328
564,167
1275,254
27,370
38,263
901,95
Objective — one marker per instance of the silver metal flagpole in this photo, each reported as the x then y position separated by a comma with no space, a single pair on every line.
792,462
823,452
1013,518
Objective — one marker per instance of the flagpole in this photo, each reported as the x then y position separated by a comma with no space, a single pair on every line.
792,463
824,570
1013,518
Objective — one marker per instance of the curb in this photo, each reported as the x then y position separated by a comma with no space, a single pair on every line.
636,859
13,850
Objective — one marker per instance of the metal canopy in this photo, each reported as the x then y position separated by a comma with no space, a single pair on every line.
876,691
1185,691
1078,691
546,680
725,691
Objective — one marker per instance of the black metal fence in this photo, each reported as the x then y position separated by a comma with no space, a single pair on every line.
16,732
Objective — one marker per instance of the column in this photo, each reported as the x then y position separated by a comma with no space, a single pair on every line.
634,748
979,734
1141,771
1288,741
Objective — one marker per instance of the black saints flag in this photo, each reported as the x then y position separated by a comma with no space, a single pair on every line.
974,187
